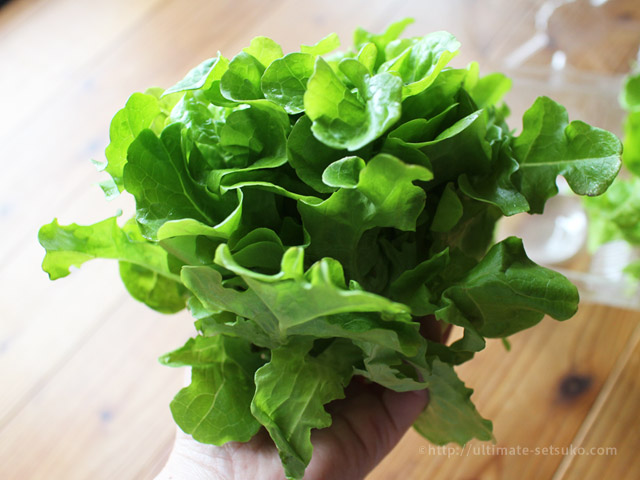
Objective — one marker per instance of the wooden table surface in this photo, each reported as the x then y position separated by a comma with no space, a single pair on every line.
81,393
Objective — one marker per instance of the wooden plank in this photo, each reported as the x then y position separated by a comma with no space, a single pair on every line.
61,174
109,398
72,126
41,329
39,316
79,306
607,445
105,414
537,395
47,41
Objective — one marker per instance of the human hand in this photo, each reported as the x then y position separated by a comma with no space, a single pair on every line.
367,424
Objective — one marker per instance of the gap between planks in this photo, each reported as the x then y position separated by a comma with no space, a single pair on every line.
600,402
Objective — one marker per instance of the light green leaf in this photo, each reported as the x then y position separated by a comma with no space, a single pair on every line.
192,227
393,31
384,197
201,125
294,299
155,290
265,50
367,56
139,113
206,284
490,89
631,153
227,323
420,64
72,245
202,76
343,173
255,138
215,407
291,391
340,119
326,45
616,214
285,81
630,92
241,81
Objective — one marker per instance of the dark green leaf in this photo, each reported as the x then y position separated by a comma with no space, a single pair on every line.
526,292
450,415
588,157
157,176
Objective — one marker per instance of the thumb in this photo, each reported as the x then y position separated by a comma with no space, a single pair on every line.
366,426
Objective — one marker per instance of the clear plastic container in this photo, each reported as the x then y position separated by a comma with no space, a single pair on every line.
576,52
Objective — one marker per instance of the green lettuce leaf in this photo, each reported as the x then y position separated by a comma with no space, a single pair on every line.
340,118
325,217
265,50
309,156
631,154
615,215
157,176
393,31
241,81
284,82
215,407
72,245
202,76
141,111
291,409
419,64
450,416
588,157
385,196
148,272
526,291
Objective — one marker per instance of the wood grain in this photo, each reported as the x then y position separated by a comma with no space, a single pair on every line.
104,414
607,444
537,395
82,395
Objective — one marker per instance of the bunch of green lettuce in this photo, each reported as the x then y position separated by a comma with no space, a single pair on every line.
616,215
313,209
